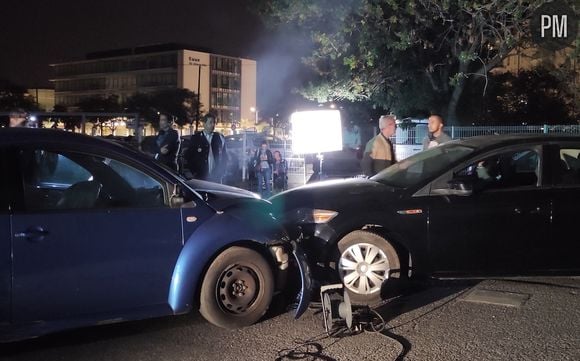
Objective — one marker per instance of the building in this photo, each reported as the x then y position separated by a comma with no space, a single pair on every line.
227,85
522,59
43,98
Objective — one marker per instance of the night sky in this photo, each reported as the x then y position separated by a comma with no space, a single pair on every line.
35,33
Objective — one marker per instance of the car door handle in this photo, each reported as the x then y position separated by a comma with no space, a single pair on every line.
33,234
534,210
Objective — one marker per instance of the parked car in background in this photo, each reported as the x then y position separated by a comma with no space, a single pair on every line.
485,206
96,233
409,137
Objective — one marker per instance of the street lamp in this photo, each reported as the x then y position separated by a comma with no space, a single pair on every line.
197,111
255,110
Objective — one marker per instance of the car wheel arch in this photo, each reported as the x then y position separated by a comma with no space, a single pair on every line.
215,299
188,274
404,252
253,245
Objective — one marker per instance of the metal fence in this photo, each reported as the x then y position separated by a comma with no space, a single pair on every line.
406,143
409,141
465,132
296,171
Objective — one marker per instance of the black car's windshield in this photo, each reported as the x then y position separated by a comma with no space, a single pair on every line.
422,165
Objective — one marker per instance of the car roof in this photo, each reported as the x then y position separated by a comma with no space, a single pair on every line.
32,135
52,135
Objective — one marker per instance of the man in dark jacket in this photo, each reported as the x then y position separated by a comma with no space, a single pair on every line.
206,155
167,143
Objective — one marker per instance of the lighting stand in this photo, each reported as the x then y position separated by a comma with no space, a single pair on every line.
320,158
338,312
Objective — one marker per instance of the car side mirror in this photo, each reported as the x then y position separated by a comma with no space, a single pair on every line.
181,198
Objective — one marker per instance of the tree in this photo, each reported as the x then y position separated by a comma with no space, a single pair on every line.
180,104
404,55
13,96
534,97
104,104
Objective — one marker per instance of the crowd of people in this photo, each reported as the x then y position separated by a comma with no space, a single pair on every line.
206,157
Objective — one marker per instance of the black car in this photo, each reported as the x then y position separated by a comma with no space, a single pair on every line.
94,232
483,206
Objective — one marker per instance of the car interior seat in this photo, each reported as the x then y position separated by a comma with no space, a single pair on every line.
80,195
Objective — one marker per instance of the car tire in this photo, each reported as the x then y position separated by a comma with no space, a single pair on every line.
237,288
366,262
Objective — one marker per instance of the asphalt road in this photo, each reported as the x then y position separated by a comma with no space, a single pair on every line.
517,319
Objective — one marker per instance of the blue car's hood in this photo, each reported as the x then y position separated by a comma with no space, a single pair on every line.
220,196
220,190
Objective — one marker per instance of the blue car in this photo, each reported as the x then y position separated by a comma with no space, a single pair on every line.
97,233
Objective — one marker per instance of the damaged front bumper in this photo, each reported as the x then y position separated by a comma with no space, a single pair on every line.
281,253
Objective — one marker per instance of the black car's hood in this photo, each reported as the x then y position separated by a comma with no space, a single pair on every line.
220,196
334,193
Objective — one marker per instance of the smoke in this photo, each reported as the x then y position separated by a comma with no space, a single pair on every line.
279,52
280,69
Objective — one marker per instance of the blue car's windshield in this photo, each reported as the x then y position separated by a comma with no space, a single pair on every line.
421,166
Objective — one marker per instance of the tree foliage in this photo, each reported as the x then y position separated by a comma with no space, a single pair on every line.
13,96
178,104
404,55
535,96
108,104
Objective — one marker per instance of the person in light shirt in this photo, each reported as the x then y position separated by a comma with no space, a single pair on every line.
436,134
379,152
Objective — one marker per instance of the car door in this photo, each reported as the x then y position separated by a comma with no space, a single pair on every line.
103,242
493,228
5,241
561,252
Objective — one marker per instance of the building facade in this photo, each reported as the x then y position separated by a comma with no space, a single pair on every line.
43,98
226,85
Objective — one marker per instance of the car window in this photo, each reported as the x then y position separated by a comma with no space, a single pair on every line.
56,169
65,180
567,171
510,169
422,166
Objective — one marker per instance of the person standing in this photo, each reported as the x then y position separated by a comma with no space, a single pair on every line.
279,170
167,143
206,156
379,152
264,160
436,134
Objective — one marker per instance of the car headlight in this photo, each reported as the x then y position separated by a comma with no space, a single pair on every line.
323,215
309,215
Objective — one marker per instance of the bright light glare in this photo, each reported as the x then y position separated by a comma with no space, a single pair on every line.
316,131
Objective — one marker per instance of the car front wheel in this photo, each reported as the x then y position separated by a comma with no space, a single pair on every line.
237,288
366,263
